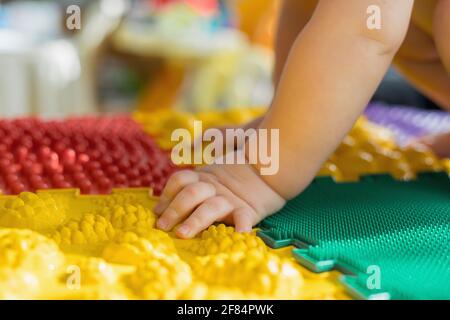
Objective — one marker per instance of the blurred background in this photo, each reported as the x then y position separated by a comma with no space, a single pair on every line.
192,55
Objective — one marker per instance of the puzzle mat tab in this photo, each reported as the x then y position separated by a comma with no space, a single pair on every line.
58,244
400,229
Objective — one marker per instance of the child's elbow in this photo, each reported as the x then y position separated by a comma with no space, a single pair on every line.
380,24
389,35
386,42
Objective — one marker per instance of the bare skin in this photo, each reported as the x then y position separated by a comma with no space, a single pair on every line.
328,68
423,58
438,143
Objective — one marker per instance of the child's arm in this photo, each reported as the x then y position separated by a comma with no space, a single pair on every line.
430,77
293,18
424,57
333,69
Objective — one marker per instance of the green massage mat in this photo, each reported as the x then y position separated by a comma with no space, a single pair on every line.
390,238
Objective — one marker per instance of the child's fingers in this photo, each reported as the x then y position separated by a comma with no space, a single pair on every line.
174,185
206,214
184,203
439,144
243,221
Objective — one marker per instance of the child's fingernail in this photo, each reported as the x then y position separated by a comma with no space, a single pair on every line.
163,224
184,231
244,230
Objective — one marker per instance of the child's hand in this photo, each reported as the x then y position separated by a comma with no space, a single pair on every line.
233,194
439,144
